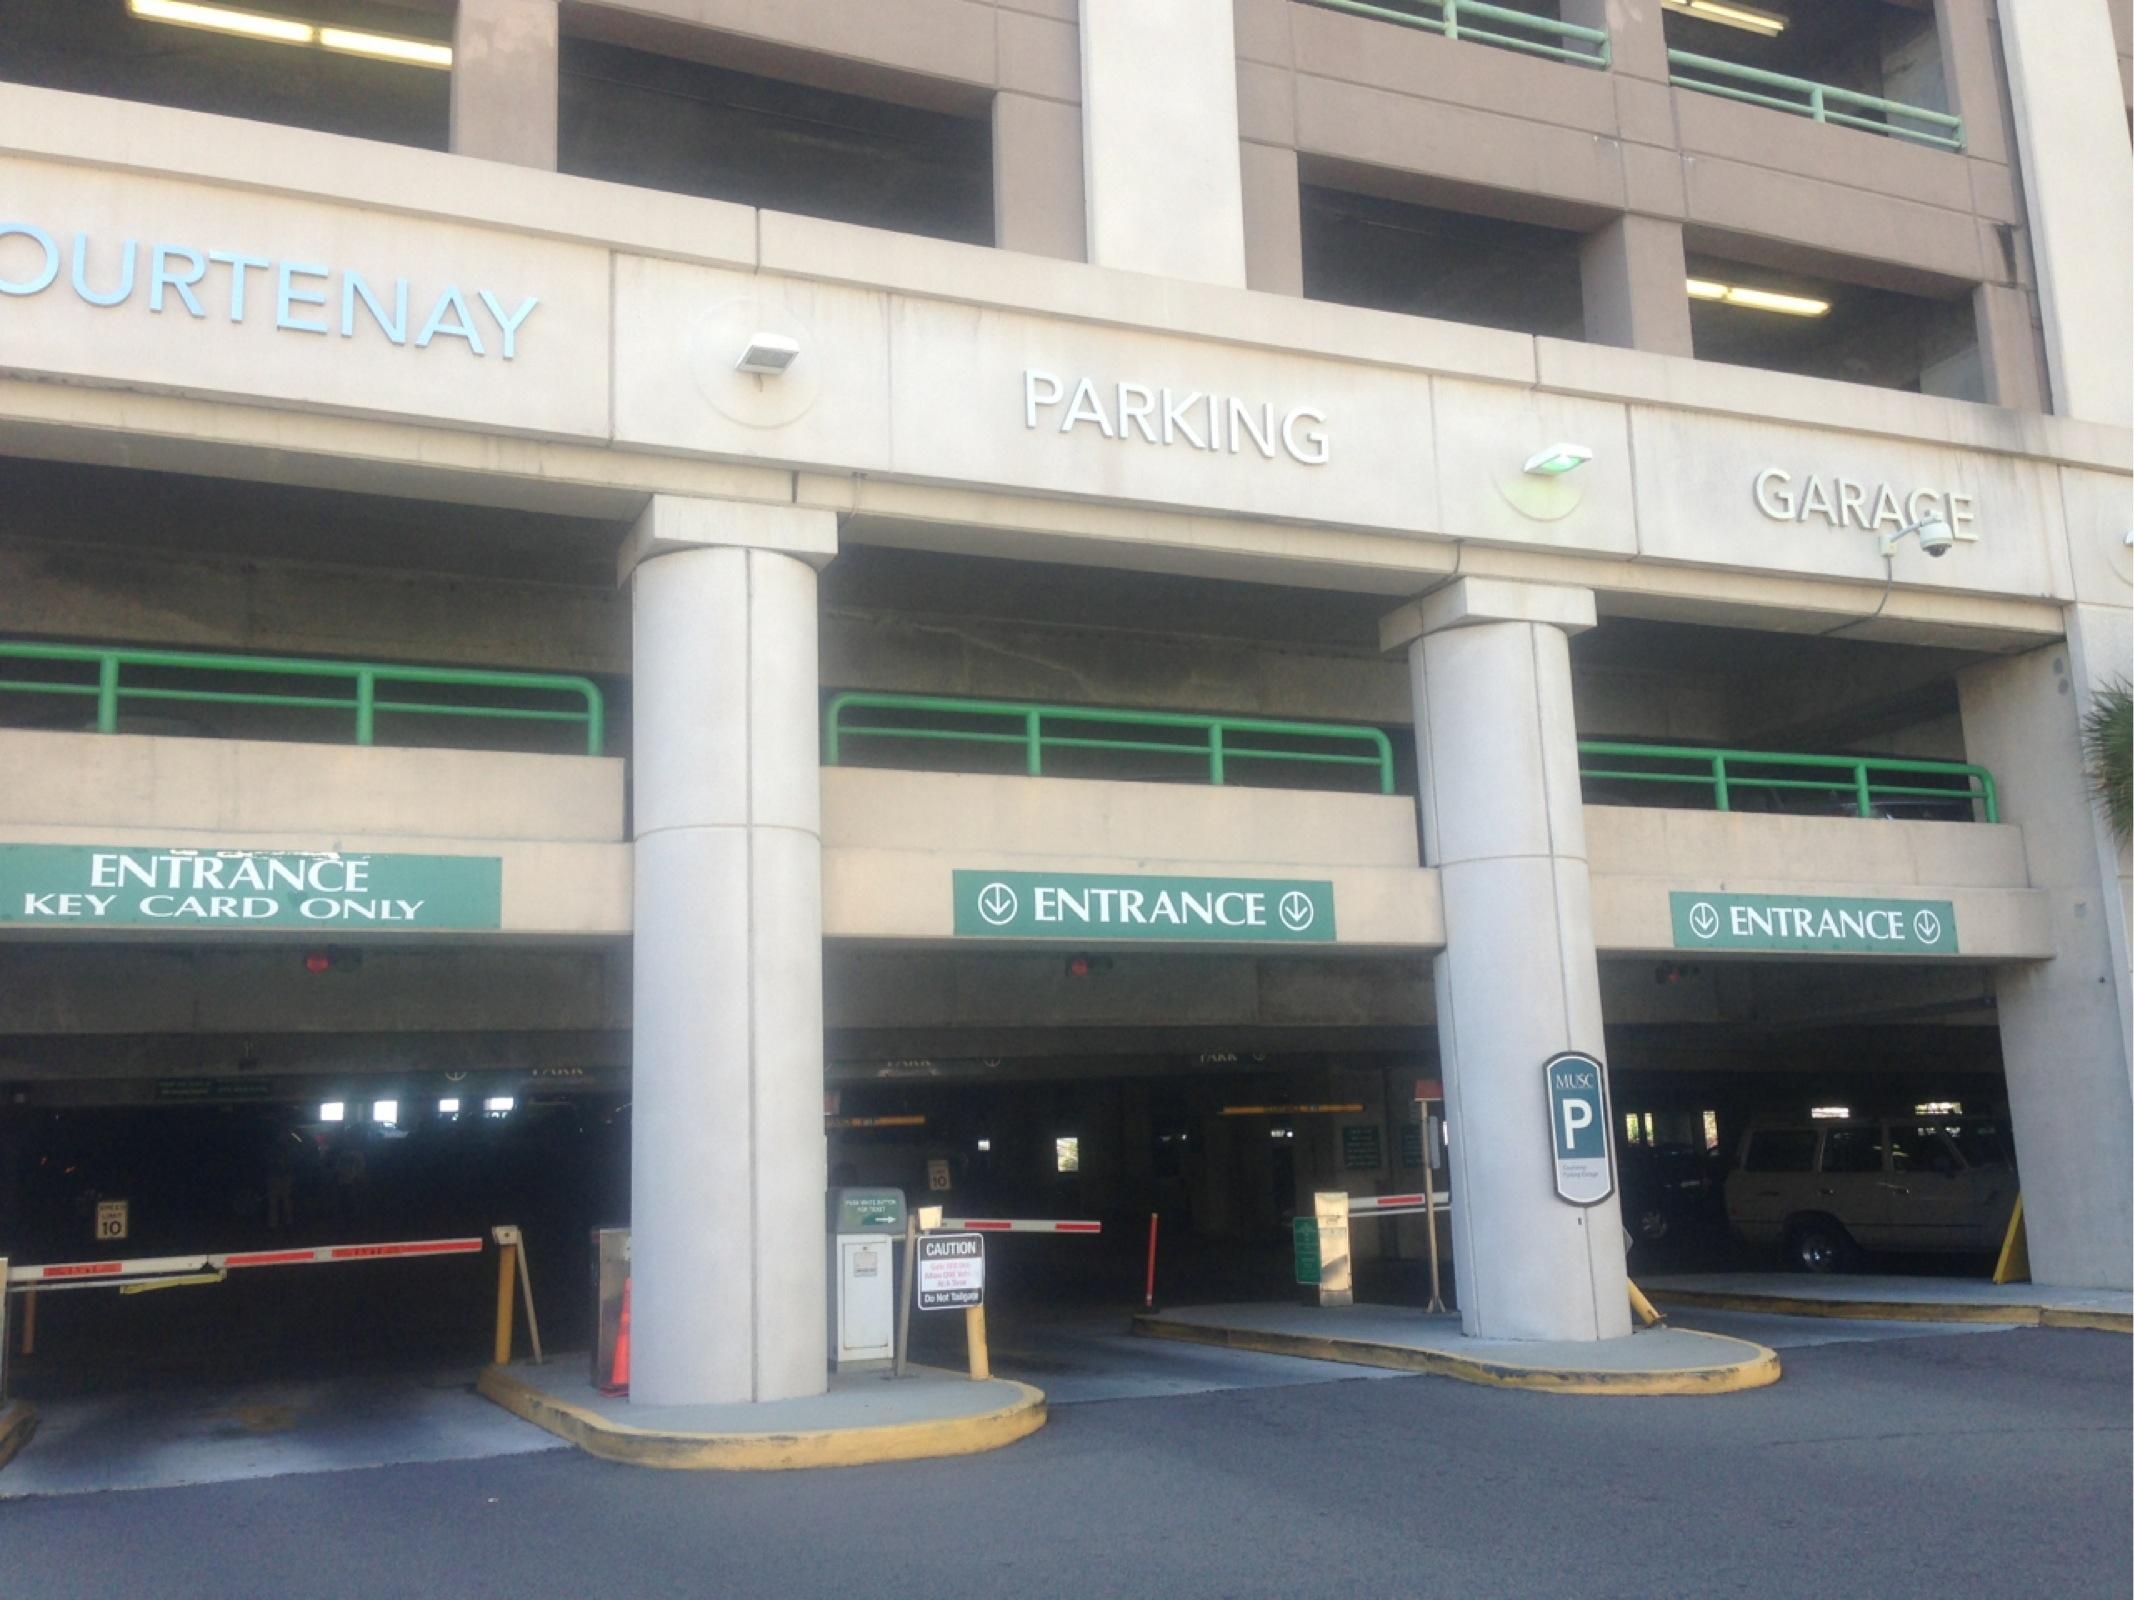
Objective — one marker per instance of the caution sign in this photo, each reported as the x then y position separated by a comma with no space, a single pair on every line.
1578,1127
951,1271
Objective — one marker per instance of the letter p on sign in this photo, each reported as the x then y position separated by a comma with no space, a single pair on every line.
1577,1114
1578,1128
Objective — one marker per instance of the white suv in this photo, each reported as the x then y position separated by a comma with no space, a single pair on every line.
1827,1190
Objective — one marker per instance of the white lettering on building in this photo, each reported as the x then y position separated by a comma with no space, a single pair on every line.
1161,416
1849,503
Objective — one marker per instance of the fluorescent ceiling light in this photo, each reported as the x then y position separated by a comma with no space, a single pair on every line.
1747,18
1830,1113
287,30
416,52
1791,305
1556,460
223,20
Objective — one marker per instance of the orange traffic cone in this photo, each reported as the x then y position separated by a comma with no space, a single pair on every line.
619,1374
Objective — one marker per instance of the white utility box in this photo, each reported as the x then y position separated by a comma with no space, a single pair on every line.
865,1226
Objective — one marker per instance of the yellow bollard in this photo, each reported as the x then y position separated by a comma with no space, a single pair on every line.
974,1334
1646,1312
2014,1263
507,1260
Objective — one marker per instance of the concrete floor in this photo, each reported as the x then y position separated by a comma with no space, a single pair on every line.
181,1433
1908,1468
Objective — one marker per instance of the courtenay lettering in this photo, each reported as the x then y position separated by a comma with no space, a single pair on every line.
302,296
1161,416
1848,503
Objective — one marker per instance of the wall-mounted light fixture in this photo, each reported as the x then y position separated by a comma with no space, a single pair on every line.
1556,460
290,30
1727,14
768,353
1791,305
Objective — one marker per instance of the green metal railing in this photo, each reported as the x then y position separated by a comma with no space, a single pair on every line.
362,680
1854,777
1477,21
1217,741
1824,102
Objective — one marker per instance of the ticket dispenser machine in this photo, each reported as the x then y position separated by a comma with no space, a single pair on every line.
865,1225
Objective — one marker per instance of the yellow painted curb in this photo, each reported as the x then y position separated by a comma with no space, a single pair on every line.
18,1420
1756,1370
766,1452
1794,1305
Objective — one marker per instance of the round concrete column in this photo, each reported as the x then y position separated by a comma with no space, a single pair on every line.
1504,826
727,1179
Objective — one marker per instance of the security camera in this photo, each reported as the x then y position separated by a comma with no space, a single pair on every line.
1935,537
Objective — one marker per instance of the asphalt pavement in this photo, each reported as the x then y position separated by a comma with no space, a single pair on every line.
1975,1464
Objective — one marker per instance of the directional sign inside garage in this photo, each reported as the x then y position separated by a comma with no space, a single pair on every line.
1578,1127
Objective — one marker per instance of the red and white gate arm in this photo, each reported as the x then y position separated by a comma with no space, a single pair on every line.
95,1274
1015,1225
1394,1205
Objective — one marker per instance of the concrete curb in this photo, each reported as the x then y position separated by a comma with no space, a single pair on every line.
1757,1369
18,1420
1799,1305
766,1452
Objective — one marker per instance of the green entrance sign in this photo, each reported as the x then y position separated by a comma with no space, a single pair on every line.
1822,924
1305,1233
131,886
1090,906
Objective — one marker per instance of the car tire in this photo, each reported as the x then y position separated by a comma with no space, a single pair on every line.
1818,1245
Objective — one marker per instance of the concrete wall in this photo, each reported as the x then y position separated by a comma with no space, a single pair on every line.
1635,163
898,332
88,780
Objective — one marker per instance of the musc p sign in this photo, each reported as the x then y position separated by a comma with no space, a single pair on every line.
1578,1127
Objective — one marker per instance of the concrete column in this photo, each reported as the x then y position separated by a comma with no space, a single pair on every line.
504,88
2078,189
1637,40
2065,1026
1518,981
1274,219
1632,275
1037,177
2008,347
1160,138
727,1150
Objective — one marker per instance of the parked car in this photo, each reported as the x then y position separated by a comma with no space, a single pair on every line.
1829,1190
1666,1188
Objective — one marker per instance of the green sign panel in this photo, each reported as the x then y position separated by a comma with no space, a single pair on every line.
1090,906
1822,924
1305,1231
1362,1147
1411,1144
127,886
